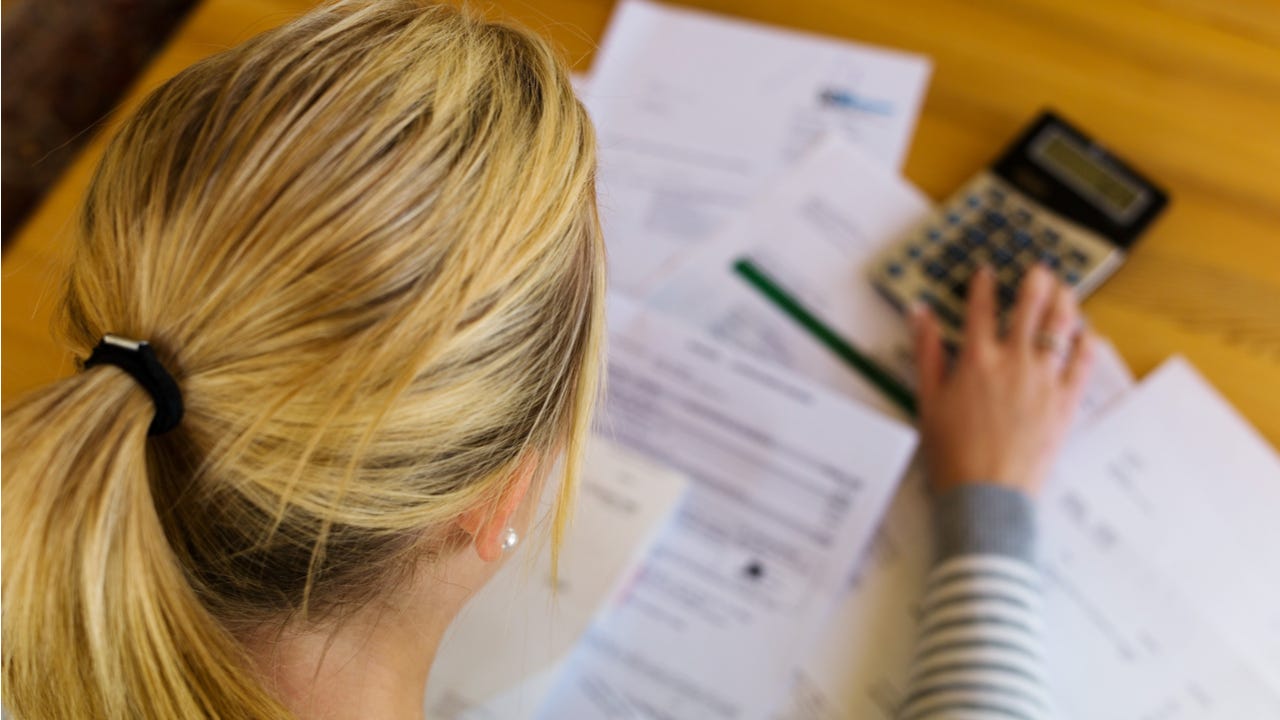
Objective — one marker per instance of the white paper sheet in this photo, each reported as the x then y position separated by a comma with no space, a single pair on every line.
789,482
814,232
498,658
1163,588
696,111
1162,595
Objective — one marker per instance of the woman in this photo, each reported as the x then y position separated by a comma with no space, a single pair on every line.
362,255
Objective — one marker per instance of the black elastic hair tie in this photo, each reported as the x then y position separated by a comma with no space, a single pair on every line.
138,359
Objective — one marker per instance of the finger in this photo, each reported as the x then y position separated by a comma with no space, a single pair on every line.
930,359
1061,320
980,309
1080,365
1033,297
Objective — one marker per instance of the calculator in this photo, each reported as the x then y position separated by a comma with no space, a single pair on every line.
1055,197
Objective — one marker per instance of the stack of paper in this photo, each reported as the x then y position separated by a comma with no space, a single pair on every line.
695,114
788,484
785,583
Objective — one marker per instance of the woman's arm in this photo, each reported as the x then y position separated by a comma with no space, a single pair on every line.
992,426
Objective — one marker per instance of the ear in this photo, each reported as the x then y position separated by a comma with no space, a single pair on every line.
488,523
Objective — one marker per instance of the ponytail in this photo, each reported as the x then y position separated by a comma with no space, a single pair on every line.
99,618
368,242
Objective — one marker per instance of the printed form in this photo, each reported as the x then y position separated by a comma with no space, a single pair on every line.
816,233
789,482
696,112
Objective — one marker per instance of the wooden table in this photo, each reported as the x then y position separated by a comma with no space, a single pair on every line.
1189,90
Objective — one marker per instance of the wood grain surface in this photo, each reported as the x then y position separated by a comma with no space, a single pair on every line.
1188,90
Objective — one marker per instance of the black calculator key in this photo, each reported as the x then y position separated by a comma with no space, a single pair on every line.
1020,217
894,269
934,235
953,218
1001,257
1078,257
1021,239
935,270
1050,237
914,252
1053,261
974,236
1071,277
955,253
960,289
996,195
972,201
995,219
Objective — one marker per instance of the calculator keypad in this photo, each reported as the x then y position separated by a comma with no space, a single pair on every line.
992,224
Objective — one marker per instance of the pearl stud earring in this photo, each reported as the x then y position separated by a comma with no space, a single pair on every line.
510,539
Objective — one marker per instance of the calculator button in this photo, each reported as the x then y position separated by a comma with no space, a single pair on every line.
1006,295
1021,239
994,219
1053,261
955,253
972,201
934,234
1071,277
1001,257
953,218
894,269
935,270
1050,237
1078,257
960,289
996,195
914,252
1020,217
974,236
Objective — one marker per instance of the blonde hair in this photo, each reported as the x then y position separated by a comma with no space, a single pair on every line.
366,246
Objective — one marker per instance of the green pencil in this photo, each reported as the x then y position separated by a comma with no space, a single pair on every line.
878,376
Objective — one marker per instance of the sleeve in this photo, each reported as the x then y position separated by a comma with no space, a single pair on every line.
978,653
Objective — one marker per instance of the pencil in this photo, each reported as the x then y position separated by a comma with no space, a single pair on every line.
885,382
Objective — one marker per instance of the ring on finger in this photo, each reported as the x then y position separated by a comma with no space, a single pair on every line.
1052,343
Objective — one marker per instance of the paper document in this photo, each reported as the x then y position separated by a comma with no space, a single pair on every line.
1162,598
1163,591
814,232
499,656
788,484
696,111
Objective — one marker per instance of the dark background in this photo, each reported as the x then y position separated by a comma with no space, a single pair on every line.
64,64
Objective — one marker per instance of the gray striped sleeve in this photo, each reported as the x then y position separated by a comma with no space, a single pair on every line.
978,652
985,519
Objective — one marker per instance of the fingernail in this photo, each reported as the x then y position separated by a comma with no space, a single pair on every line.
916,313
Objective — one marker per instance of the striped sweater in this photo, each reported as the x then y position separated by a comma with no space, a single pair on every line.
978,654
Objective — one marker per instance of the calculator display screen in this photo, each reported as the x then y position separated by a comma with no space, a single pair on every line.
1072,165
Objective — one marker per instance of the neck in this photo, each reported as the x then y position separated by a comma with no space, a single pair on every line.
373,663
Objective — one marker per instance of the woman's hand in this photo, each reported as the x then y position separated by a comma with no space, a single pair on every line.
999,415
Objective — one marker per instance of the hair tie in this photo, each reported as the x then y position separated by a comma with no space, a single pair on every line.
138,359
